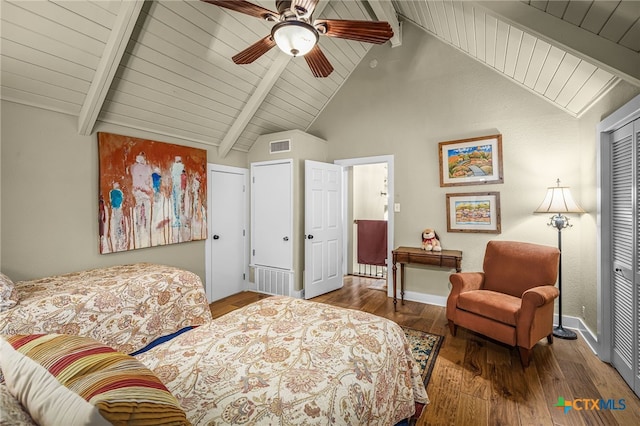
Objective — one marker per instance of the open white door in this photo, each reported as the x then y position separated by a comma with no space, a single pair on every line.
323,228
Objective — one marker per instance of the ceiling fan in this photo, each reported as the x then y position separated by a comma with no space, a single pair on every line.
294,34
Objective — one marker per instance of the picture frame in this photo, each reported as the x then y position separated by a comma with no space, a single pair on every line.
474,212
151,193
473,161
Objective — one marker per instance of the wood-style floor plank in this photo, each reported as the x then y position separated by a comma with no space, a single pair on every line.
477,381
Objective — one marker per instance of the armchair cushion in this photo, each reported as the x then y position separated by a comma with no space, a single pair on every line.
490,304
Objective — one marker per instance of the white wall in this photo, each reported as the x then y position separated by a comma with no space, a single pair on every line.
49,194
425,92
369,181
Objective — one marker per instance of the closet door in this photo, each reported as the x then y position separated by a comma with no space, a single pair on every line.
272,214
625,222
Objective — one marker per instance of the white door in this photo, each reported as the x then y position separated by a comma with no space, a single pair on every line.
272,214
323,228
226,254
625,283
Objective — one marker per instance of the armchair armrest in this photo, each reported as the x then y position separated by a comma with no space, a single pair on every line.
466,281
535,301
538,296
462,282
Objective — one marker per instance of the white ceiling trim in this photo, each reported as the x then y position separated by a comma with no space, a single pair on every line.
109,62
385,11
610,56
252,105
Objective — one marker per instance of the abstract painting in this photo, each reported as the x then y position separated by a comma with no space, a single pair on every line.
151,193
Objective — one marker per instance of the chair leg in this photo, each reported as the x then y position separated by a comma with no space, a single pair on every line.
550,339
525,356
452,328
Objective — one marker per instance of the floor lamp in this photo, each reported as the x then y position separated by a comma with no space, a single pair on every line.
559,201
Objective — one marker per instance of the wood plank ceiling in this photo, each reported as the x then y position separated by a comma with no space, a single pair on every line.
545,68
165,67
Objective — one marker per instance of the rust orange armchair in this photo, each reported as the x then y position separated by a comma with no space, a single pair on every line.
512,300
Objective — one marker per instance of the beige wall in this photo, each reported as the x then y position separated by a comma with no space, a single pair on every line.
50,197
425,92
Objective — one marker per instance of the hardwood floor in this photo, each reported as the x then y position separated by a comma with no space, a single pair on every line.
477,381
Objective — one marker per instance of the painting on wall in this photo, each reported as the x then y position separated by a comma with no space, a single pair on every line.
151,193
471,161
474,212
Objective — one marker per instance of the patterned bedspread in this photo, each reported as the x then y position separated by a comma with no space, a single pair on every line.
125,307
290,361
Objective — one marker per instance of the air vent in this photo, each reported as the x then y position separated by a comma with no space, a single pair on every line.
280,146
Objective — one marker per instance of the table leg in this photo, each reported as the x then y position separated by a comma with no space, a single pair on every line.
395,300
402,282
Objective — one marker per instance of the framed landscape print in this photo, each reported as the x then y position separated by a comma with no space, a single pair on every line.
474,212
472,161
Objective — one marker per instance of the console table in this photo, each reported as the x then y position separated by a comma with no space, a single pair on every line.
414,255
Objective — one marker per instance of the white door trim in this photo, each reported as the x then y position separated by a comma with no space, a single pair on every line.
211,167
348,163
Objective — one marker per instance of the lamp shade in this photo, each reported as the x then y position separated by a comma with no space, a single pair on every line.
559,200
294,38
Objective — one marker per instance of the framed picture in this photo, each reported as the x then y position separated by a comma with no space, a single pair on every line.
472,161
151,193
474,212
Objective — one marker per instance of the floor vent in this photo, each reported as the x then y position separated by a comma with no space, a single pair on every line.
279,146
274,281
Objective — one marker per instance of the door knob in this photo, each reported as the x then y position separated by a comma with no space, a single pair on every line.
285,239
310,237
216,237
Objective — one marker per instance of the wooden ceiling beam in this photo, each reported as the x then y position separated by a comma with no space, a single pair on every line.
385,11
108,65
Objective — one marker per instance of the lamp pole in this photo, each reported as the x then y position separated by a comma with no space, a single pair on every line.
558,200
560,222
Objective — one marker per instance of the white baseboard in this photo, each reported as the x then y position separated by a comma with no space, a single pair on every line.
577,324
429,299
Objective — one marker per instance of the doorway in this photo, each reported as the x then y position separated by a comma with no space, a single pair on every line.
348,166
370,204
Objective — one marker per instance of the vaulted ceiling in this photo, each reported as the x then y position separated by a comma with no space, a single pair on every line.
165,67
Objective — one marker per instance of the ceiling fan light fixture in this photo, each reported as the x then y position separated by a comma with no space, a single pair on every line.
295,38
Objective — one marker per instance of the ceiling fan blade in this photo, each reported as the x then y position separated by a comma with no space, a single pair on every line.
318,62
245,7
376,32
254,51
308,5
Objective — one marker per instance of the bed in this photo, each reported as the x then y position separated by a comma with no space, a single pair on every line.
123,306
277,361
289,361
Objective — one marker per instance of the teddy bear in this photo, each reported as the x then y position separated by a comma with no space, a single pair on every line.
430,240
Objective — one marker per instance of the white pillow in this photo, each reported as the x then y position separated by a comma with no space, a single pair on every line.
8,293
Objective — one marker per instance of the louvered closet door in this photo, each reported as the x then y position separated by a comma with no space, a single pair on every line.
624,242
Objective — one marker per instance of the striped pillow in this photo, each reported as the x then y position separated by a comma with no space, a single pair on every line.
73,380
